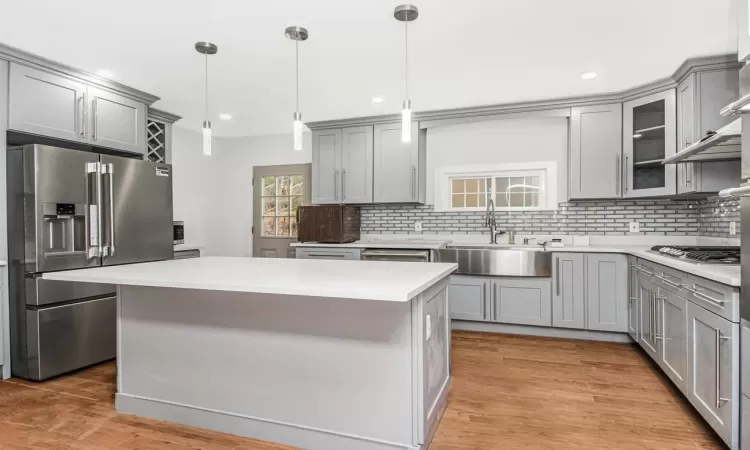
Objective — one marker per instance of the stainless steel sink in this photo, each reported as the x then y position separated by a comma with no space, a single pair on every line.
498,261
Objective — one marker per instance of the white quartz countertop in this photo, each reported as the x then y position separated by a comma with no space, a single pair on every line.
364,280
401,244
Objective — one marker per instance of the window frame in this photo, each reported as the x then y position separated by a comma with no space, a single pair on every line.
292,212
545,170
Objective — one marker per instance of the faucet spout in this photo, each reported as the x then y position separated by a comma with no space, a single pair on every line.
491,222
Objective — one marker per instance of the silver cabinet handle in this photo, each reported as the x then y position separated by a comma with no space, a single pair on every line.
627,179
336,184
343,184
111,172
80,105
652,318
96,120
618,177
658,316
413,183
670,283
705,297
327,255
557,271
719,400
690,174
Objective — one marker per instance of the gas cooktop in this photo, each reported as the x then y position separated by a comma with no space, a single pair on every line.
701,255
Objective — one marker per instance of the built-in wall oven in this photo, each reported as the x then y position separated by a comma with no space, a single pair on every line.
407,255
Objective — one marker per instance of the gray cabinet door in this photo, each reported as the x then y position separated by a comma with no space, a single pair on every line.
116,121
568,296
46,104
595,157
469,298
606,292
633,299
356,165
649,135
648,322
686,133
397,165
673,339
713,367
524,301
326,163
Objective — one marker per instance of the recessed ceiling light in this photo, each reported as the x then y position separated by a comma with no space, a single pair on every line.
588,75
378,99
104,73
225,116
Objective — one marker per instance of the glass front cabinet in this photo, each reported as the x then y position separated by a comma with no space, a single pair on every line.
649,136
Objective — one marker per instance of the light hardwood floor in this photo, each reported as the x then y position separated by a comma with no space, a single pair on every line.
508,392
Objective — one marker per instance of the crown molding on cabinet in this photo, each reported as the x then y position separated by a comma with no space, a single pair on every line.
163,116
19,56
559,107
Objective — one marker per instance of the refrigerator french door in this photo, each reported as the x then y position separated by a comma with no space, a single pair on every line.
67,210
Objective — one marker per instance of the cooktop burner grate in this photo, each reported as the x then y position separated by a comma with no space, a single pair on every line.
705,255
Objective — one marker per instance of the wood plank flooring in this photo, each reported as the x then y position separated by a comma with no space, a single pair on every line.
508,392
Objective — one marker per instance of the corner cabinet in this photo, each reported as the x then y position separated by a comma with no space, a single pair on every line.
649,135
343,165
595,155
62,107
399,167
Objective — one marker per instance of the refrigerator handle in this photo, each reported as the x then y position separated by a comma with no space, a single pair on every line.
93,216
111,172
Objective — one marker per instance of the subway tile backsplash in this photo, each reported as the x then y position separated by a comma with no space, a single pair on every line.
704,217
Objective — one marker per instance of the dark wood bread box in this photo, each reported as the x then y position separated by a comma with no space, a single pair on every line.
336,224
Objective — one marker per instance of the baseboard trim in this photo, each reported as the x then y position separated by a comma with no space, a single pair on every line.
565,333
251,427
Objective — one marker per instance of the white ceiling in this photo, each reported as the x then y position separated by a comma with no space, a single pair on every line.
462,53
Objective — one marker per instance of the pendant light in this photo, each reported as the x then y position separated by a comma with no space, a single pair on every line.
206,48
297,34
406,13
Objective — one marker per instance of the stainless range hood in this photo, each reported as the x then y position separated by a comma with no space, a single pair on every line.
723,145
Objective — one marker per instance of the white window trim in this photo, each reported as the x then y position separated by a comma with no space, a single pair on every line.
548,182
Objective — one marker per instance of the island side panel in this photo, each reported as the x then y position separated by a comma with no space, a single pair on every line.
300,370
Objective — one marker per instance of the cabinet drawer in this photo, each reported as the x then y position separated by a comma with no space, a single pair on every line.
672,280
328,253
716,297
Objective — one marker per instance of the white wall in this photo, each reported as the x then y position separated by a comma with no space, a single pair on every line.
231,220
497,142
193,185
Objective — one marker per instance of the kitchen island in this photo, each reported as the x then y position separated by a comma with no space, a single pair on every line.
315,354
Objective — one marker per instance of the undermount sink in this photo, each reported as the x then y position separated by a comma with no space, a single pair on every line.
498,260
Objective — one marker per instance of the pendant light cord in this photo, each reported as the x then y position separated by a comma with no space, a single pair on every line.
406,57
296,50
206,55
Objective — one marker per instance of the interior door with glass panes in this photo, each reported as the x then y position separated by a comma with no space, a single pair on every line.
649,136
277,193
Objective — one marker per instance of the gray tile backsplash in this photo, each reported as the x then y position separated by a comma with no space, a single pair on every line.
705,217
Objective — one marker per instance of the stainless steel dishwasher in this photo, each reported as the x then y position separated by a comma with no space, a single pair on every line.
380,254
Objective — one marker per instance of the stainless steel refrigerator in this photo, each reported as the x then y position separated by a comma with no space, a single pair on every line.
71,209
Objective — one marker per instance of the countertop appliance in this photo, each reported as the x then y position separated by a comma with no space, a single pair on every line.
178,231
338,224
71,209
407,255
701,255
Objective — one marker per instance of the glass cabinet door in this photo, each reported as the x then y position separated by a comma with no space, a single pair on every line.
649,135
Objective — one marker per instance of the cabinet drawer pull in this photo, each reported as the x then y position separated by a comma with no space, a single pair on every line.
702,296
618,177
719,400
670,283
336,184
328,255
557,271
343,184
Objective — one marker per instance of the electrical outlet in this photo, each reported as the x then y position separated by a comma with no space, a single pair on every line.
635,227
428,326
417,226
732,227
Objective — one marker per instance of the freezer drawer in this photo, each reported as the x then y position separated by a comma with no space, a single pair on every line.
41,292
65,338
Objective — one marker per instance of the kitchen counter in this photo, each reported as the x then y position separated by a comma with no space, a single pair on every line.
308,353
373,280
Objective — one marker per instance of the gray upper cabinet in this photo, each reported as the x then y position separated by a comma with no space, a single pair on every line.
523,301
116,122
46,104
649,135
469,298
606,292
700,97
568,296
399,168
633,299
713,366
356,165
674,344
326,163
595,155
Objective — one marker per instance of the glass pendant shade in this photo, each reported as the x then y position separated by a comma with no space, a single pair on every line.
207,138
406,122
297,131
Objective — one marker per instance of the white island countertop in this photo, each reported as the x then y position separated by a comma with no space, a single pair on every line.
364,280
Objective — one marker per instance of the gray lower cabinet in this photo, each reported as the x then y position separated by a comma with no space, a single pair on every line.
46,104
352,254
649,325
399,174
606,292
116,121
673,326
713,365
469,298
633,298
568,295
326,163
595,154
523,301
